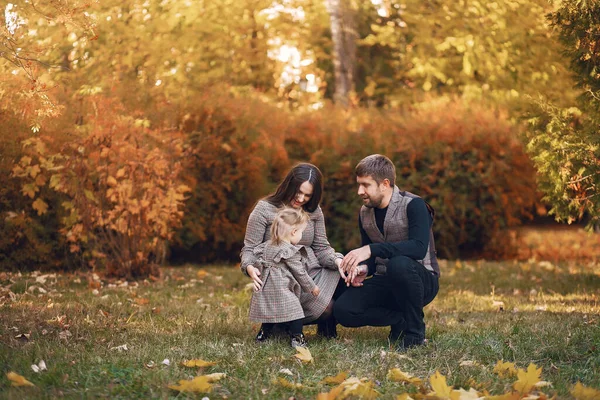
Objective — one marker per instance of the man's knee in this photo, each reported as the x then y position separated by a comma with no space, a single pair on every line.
400,266
345,312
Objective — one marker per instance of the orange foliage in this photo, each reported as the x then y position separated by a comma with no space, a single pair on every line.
120,180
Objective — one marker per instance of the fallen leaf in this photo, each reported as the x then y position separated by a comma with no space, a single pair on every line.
201,274
197,363
396,375
286,371
336,380
469,363
404,396
527,379
166,362
122,347
140,301
151,364
198,384
505,369
462,394
41,366
581,392
287,384
303,354
214,377
18,380
439,386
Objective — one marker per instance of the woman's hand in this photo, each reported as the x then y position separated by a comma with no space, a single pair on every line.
338,263
254,273
315,292
357,276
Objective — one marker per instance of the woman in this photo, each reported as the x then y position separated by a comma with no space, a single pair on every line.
301,188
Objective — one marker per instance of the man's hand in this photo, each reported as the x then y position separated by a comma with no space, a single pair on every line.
254,273
357,276
353,258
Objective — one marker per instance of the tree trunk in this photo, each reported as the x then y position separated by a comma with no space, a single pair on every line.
343,35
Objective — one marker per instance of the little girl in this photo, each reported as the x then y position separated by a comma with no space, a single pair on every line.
283,276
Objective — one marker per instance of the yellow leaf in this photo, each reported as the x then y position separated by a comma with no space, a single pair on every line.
581,392
505,369
396,375
462,394
303,354
527,379
40,206
18,380
121,173
506,396
198,384
287,384
197,363
217,376
336,380
363,390
404,396
332,395
439,386
29,190
201,274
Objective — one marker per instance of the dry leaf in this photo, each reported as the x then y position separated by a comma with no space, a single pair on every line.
201,274
469,363
286,371
462,394
439,386
505,369
335,380
581,392
527,379
287,384
396,375
198,384
122,347
166,362
303,354
361,388
18,380
217,376
198,363
404,396
41,366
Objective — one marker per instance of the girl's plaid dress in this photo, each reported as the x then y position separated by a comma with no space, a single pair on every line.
284,278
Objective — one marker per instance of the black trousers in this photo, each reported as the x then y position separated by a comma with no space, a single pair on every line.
390,299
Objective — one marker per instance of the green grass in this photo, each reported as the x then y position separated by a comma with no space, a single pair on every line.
548,315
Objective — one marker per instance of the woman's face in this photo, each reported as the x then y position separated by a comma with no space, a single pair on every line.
303,195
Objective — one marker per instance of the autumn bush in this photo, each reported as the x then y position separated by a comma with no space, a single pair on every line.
28,241
235,154
120,181
466,161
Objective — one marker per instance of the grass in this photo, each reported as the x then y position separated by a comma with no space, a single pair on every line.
523,312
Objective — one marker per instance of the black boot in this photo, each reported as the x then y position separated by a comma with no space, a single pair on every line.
327,328
263,335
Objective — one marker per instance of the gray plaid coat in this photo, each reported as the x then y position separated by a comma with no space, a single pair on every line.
284,278
319,259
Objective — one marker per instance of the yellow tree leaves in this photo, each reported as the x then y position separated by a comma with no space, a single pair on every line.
527,379
196,363
505,369
396,375
581,392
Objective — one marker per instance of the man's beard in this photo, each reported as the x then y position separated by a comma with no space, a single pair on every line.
374,202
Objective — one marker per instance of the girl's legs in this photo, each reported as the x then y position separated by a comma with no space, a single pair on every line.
326,323
265,332
296,335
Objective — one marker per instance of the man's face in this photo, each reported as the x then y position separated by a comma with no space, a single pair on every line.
371,192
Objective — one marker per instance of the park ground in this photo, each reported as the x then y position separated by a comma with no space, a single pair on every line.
102,338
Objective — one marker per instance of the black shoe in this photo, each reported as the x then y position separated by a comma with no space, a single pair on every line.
397,332
412,341
262,336
327,329
298,340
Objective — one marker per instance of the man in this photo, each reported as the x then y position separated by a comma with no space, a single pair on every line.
398,248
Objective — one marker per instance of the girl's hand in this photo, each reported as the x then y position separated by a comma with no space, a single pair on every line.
254,273
315,292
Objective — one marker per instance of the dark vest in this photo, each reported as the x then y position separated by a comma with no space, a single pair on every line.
395,229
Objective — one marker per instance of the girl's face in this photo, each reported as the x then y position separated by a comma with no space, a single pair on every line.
296,234
305,192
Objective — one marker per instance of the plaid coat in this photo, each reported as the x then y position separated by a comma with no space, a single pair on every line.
319,259
284,278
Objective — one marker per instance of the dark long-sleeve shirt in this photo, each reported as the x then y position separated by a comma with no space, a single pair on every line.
415,247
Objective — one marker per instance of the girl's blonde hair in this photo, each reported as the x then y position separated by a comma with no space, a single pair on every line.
285,221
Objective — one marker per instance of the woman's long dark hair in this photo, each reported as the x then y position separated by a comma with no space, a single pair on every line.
290,186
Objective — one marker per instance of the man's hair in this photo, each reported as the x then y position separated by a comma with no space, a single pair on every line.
377,167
